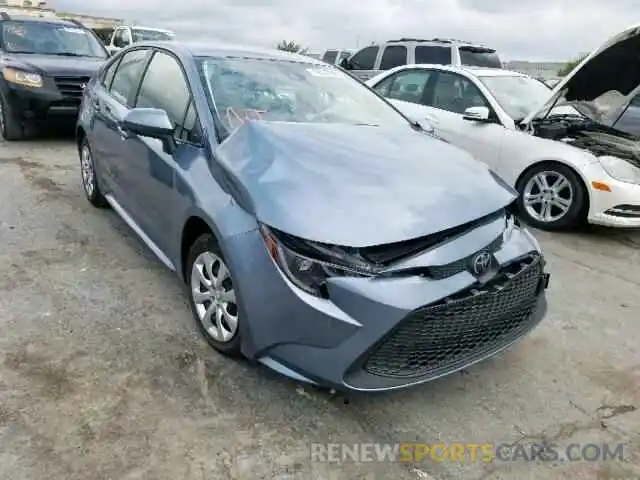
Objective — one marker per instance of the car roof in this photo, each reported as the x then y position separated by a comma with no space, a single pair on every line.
223,49
436,41
31,19
477,71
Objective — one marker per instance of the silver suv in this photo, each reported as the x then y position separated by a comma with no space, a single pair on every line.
371,60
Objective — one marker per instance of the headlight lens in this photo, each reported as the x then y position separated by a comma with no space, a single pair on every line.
22,78
307,273
620,169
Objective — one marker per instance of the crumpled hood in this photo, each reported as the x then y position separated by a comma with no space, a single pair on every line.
355,185
604,83
55,65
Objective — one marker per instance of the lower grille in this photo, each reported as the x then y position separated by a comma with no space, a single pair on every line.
440,338
71,88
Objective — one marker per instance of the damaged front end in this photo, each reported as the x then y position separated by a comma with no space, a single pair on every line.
309,264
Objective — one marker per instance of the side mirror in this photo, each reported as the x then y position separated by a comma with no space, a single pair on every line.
476,114
344,63
153,123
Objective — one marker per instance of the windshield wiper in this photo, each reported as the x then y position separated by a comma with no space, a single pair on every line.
69,54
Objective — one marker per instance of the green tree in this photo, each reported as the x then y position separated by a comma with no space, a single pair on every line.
569,66
290,46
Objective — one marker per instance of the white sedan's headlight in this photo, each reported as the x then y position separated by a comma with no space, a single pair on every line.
620,169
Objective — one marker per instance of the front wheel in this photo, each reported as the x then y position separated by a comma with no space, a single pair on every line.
10,127
551,197
212,296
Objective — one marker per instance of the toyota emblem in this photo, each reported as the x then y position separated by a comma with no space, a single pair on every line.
481,263
83,86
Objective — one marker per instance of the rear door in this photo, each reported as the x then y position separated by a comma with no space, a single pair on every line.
111,103
156,173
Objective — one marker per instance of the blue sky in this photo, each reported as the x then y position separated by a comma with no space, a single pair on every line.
556,30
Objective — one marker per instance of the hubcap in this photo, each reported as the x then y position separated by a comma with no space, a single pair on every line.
86,168
547,196
214,297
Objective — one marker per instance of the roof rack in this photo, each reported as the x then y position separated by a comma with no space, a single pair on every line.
408,40
5,16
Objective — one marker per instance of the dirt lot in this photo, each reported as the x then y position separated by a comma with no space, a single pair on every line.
103,376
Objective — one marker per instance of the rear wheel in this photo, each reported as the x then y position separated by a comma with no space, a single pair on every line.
89,179
551,197
212,296
10,127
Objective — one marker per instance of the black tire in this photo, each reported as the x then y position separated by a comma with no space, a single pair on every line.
575,214
90,186
204,244
10,127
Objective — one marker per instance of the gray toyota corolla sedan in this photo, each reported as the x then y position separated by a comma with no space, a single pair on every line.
319,231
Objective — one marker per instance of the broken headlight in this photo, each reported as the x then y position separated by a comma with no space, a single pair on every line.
309,264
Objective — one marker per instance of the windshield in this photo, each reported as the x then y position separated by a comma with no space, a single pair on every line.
290,91
479,57
50,39
519,95
143,35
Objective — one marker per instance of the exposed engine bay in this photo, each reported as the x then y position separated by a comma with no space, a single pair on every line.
582,132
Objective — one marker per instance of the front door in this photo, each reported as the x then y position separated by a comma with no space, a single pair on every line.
153,170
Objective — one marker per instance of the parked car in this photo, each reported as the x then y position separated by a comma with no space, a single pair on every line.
556,147
44,66
319,230
373,59
126,35
336,56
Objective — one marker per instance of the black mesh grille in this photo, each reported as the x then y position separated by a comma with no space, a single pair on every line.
71,87
444,337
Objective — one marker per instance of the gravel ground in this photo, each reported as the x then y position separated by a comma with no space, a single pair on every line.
103,376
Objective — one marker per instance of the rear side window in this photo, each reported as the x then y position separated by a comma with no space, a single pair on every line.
435,55
409,85
330,56
365,58
165,87
126,79
393,56
479,57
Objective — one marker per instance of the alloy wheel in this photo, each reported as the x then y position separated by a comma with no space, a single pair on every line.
86,169
547,196
214,297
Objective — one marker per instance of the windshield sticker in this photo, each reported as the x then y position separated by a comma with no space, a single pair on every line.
73,30
326,72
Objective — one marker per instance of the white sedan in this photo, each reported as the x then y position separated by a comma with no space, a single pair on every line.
554,146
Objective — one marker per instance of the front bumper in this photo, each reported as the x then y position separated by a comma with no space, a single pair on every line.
383,334
619,207
58,97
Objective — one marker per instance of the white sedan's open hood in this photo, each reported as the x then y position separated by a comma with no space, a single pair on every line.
604,83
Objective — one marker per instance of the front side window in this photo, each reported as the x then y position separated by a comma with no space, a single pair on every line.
330,56
365,59
297,92
393,56
456,93
121,38
146,35
434,55
165,87
409,86
107,76
126,79
50,39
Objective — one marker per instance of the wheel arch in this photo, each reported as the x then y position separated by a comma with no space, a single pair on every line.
194,227
579,175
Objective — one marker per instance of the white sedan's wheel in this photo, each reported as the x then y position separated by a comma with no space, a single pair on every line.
547,196
552,197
